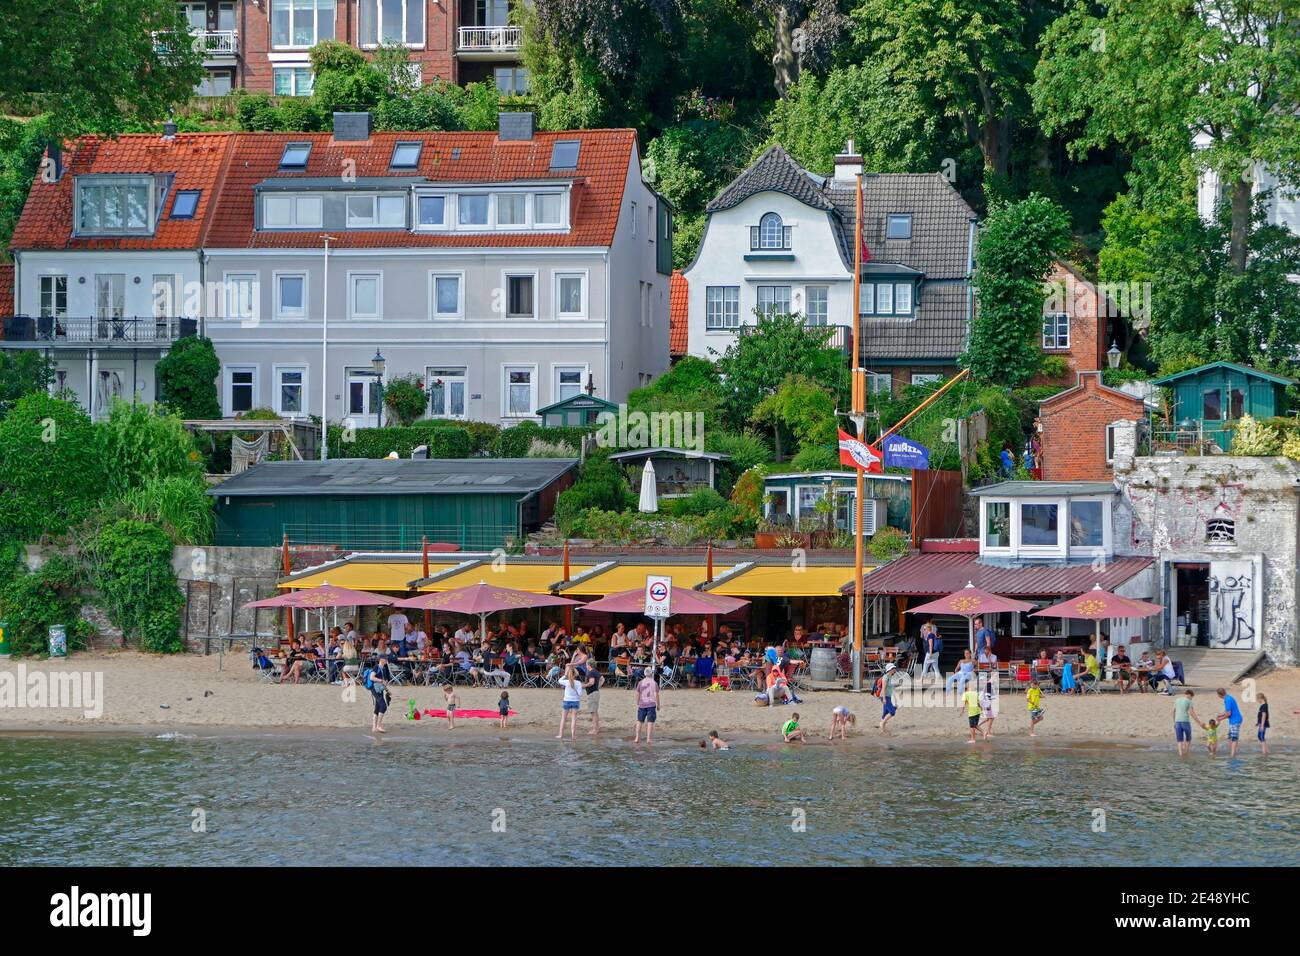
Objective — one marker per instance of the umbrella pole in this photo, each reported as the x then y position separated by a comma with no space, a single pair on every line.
482,628
970,624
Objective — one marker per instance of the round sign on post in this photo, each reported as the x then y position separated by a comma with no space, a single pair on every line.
658,596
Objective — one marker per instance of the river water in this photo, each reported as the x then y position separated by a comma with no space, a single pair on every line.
339,800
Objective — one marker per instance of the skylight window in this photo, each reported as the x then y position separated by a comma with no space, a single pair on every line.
295,156
406,155
564,154
187,201
899,226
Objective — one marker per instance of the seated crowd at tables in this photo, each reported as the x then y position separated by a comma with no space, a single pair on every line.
510,653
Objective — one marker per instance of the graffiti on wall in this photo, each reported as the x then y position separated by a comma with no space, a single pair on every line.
1232,604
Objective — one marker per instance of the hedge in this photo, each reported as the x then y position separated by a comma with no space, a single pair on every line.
443,441
515,442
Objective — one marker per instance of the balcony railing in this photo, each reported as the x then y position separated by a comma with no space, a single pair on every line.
210,43
490,39
80,332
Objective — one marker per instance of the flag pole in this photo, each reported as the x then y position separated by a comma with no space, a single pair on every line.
859,416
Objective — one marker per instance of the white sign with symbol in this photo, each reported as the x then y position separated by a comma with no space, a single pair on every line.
658,596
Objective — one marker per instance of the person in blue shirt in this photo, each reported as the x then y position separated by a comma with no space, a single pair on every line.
983,640
1008,460
1232,713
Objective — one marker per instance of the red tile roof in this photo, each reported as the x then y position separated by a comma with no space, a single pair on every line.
678,332
194,160
603,162
6,289
934,574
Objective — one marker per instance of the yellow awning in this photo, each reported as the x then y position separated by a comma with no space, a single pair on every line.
628,576
537,578
784,581
368,575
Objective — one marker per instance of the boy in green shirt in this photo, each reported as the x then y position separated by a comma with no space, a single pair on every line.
790,729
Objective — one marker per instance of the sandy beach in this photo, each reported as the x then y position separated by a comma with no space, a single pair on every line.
188,691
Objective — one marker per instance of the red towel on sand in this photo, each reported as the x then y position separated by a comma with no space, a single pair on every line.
481,714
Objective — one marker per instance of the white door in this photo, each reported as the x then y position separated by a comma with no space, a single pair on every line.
362,398
446,388
1234,603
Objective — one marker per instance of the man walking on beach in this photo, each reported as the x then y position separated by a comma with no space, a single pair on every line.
1233,714
647,706
1184,714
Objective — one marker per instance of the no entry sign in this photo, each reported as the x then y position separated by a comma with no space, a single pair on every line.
658,596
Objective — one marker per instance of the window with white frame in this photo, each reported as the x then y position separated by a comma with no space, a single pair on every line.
818,305
777,503
647,317
633,220
371,212
112,205
301,23
512,209
291,211
1087,523
650,222
770,234
472,209
568,381
511,80
365,295
902,298
290,390
110,296
1056,330
520,296
571,295
363,389
548,209
447,389
445,300
899,226
926,378
997,525
241,295
722,307
774,300
1110,443
163,295
806,498
388,22
241,388
519,396
431,211
290,295
54,297
880,383
292,81
884,298
1039,524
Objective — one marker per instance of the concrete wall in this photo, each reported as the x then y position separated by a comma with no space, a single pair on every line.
218,581
1167,502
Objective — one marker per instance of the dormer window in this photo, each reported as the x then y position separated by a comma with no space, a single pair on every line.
115,205
1027,524
370,212
898,226
295,156
886,298
771,234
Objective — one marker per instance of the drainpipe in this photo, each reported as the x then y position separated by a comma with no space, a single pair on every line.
608,329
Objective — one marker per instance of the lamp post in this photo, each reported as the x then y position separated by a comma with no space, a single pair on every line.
325,354
1113,355
378,364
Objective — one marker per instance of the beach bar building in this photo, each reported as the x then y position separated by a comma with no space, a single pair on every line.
367,504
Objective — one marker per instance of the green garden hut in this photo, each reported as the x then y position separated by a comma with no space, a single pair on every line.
1211,398
576,410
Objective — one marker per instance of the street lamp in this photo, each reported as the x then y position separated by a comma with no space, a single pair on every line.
378,364
1113,355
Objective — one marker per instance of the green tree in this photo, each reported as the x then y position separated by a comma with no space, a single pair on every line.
50,473
778,346
22,144
130,566
138,443
94,64
1014,254
801,408
22,372
1154,74
187,378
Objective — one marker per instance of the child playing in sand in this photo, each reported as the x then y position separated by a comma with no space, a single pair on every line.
1034,702
503,709
790,729
841,717
1212,735
450,701
714,742
988,709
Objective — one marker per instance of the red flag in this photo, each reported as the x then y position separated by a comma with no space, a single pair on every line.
866,253
857,454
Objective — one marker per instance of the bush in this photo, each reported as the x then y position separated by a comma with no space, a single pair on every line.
601,485
404,397
443,441
1115,377
138,443
815,458
178,504
33,600
546,449
51,472
698,503
22,372
130,566
187,378
888,543
1255,438
1054,367
515,442
747,493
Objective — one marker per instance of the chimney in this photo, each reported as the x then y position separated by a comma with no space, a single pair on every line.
351,127
169,130
848,165
55,153
515,126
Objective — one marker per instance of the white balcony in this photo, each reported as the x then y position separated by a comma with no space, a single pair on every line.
212,44
489,41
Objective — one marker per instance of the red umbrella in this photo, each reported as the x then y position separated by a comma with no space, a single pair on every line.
482,599
970,602
327,595
685,601
1097,604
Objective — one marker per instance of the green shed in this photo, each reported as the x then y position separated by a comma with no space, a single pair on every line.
390,504
1209,399
790,497
576,410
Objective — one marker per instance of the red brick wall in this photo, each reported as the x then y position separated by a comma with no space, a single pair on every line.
1075,295
437,59
1074,429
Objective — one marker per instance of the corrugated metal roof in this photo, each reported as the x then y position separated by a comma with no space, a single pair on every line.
928,575
368,476
1044,489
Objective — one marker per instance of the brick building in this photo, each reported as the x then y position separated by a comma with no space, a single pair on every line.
1076,434
1079,323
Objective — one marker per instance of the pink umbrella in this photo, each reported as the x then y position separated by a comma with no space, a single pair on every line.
327,595
970,602
482,599
685,601
1097,604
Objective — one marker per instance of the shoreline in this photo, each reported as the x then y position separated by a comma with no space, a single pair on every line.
150,695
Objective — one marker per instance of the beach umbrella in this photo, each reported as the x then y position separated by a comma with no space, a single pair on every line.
685,601
970,602
482,599
1097,604
322,597
649,497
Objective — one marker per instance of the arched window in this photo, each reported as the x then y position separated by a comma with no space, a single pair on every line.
771,232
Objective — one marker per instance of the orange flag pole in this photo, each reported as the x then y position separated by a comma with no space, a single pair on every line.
287,567
428,614
568,610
